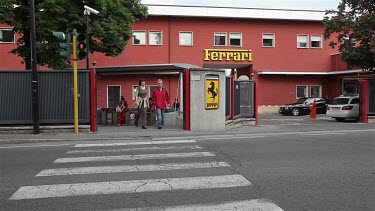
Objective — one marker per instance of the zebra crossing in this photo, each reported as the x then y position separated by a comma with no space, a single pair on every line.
88,170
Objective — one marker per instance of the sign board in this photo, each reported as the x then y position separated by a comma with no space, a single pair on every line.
195,77
228,55
212,91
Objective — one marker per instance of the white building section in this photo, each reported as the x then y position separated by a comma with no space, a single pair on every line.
231,12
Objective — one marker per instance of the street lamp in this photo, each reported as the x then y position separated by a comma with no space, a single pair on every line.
34,68
87,12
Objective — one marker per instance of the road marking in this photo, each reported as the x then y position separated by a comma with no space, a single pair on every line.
253,204
125,169
134,149
199,137
34,146
282,119
323,134
136,143
132,186
133,157
234,137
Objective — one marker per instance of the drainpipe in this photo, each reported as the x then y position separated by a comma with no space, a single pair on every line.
169,39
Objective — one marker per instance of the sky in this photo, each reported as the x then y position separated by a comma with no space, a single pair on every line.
268,4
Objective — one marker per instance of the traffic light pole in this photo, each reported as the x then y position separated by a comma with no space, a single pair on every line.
88,42
75,81
34,68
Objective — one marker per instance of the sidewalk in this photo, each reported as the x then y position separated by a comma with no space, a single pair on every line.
113,133
14,135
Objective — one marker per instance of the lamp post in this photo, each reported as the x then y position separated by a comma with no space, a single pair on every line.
87,12
34,68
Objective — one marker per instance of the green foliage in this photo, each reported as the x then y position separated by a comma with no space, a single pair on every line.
110,30
354,25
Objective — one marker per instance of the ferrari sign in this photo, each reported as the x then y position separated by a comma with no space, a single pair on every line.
212,91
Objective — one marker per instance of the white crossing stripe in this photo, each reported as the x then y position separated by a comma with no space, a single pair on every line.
133,157
253,204
234,137
134,149
132,186
128,168
323,134
136,143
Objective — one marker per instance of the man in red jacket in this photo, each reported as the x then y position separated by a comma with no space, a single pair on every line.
160,97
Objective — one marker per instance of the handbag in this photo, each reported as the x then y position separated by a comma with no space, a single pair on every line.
118,109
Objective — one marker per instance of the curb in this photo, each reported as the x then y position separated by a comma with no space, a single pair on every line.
23,141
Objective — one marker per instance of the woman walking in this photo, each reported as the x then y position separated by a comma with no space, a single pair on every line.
141,103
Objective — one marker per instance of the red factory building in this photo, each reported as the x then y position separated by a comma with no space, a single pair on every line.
284,50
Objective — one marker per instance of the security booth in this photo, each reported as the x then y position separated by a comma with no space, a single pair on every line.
204,99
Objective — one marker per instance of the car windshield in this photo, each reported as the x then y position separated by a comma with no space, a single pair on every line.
300,101
340,101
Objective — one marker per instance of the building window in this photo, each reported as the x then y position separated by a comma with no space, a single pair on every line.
268,40
139,37
6,36
151,89
301,91
220,39
155,38
186,38
134,90
235,39
113,96
316,91
350,87
302,41
316,41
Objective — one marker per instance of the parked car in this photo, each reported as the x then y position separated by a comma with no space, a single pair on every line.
342,108
302,106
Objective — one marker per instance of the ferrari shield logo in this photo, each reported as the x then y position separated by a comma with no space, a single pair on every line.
212,91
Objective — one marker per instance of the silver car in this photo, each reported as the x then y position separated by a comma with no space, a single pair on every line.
342,108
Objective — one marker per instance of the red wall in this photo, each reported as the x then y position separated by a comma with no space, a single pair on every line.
274,90
284,57
9,61
281,89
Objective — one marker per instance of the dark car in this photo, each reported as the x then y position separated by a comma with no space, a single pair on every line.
302,106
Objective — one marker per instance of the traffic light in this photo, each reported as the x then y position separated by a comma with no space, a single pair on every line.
64,44
81,46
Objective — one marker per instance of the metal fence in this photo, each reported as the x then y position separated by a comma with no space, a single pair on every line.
243,99
371,97
55,97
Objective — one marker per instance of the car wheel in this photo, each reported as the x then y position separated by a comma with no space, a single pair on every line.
295,111
339,119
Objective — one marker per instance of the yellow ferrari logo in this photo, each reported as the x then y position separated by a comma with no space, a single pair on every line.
212,91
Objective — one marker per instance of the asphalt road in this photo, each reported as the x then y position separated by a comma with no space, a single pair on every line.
321,170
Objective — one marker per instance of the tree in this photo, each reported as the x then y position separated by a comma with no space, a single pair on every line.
109,31
354,25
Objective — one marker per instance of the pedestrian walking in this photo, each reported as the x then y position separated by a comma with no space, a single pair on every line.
121,110
141,103
160,97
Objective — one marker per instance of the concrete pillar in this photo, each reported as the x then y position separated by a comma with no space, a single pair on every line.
201,118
